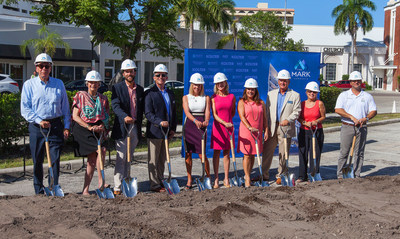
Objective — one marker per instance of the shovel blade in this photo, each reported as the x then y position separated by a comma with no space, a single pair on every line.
236,181
311,178
348,173
129,187
318,177
203,185
58,192
105,194
172,186
262,184
48,192
288,180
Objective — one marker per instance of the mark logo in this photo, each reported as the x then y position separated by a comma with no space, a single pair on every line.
301,65
301,69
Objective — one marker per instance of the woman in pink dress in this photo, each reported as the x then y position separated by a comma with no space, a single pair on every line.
253,116
223,108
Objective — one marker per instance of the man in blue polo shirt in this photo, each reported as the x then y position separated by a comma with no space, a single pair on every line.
44,102
356,107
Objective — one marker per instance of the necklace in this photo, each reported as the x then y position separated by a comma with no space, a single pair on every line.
252,112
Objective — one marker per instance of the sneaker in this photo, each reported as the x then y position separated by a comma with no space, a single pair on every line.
278,181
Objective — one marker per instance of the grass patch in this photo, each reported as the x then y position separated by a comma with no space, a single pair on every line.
335,121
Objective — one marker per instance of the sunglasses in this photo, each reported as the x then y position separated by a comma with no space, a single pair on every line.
130,71
43,66
162,75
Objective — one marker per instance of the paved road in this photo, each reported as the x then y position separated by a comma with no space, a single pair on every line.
384,100
381,158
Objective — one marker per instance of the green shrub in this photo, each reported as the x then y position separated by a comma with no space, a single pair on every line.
367,86
345,77
329,95
13,125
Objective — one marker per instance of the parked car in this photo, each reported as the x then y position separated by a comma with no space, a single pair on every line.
80,85
8,85
345,84
170,84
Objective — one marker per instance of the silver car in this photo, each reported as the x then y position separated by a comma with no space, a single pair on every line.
8,85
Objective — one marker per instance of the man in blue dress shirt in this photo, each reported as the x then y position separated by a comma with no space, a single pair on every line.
44,102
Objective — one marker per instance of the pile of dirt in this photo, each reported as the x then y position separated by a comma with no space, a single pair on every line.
352,208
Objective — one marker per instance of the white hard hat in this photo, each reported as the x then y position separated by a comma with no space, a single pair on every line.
219,77
160,68
313,86
93,76
43,57
251,83
197,78
284,75
355,75
128,64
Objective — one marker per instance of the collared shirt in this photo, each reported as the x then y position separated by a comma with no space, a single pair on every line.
41,101
167,101
357,105
281,99
132,99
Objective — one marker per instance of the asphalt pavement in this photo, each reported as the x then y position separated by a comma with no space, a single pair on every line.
381,158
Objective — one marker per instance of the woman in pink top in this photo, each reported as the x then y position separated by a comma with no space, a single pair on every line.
223,108
253,116
312,114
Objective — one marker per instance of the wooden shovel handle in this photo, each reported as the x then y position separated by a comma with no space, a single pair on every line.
203,150
100,156
232,149
313,148
286,149
167,150
48,153
352,146
258,154
128,149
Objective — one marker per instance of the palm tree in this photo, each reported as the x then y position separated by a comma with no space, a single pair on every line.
350,16
47,42
211,14
225,39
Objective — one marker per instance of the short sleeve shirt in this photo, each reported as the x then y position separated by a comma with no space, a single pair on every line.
357,105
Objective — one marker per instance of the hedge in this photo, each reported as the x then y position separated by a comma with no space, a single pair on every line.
329,95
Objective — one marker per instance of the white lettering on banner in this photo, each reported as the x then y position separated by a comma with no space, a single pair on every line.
198,62
225,56
301,74
235,90
252,57
237,57
254,70
212,56
251,64
212,63
228,70
239,63
197,55
199,69
213,70
227,63
242,70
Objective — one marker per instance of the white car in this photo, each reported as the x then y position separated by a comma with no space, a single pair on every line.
170,84
8,85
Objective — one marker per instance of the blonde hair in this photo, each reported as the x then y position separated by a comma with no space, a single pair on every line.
226,88
192,92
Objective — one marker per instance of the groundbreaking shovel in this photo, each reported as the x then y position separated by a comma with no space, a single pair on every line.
102,192
129,185
236,180
286,179
171,185
261,183
348,171
203,183
52,190
314,176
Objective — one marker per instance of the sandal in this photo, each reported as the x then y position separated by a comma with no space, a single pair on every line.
227,185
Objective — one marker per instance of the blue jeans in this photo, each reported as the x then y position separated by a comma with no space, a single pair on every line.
37,146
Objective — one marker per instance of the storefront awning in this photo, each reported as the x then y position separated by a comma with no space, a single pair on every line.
384,67
77,55
13,52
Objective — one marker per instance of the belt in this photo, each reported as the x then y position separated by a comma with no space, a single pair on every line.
347,124
197,114
53,120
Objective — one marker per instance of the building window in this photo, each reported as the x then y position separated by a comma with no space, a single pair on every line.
111,67
179,72
4,68
24,11
148,72
357,67
330,71
65,73
11,8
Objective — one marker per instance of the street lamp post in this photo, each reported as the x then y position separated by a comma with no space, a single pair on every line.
92,42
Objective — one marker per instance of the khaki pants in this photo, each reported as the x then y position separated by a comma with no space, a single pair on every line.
268,153
156,162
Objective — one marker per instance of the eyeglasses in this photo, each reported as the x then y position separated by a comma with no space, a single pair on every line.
162,75
45,66
130,71
309,91
41,66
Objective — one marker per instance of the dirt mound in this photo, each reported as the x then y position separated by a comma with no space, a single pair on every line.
352,208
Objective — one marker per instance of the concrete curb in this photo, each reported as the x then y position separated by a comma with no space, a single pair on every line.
141,157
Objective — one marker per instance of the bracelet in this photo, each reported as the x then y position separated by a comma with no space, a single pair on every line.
194,121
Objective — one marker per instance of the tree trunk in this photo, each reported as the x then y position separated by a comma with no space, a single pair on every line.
352,54
191,35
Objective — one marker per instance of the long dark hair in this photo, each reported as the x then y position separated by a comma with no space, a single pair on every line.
256,97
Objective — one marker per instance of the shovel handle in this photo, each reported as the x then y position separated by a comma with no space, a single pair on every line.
48,153
313,148
258,154
100,156
232,149
286,149
128,149
352,146
203,150
167,150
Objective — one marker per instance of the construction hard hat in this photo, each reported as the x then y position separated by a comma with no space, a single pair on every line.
219,77
43,57
251,83
93,76
313,86
160,68
355,75
128,64
197,78
284,75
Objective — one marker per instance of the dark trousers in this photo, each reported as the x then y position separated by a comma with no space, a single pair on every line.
38,151
306,151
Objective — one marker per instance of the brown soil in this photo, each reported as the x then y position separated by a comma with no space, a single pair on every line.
352,208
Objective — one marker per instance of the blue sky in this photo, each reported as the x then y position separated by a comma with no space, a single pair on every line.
314,12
